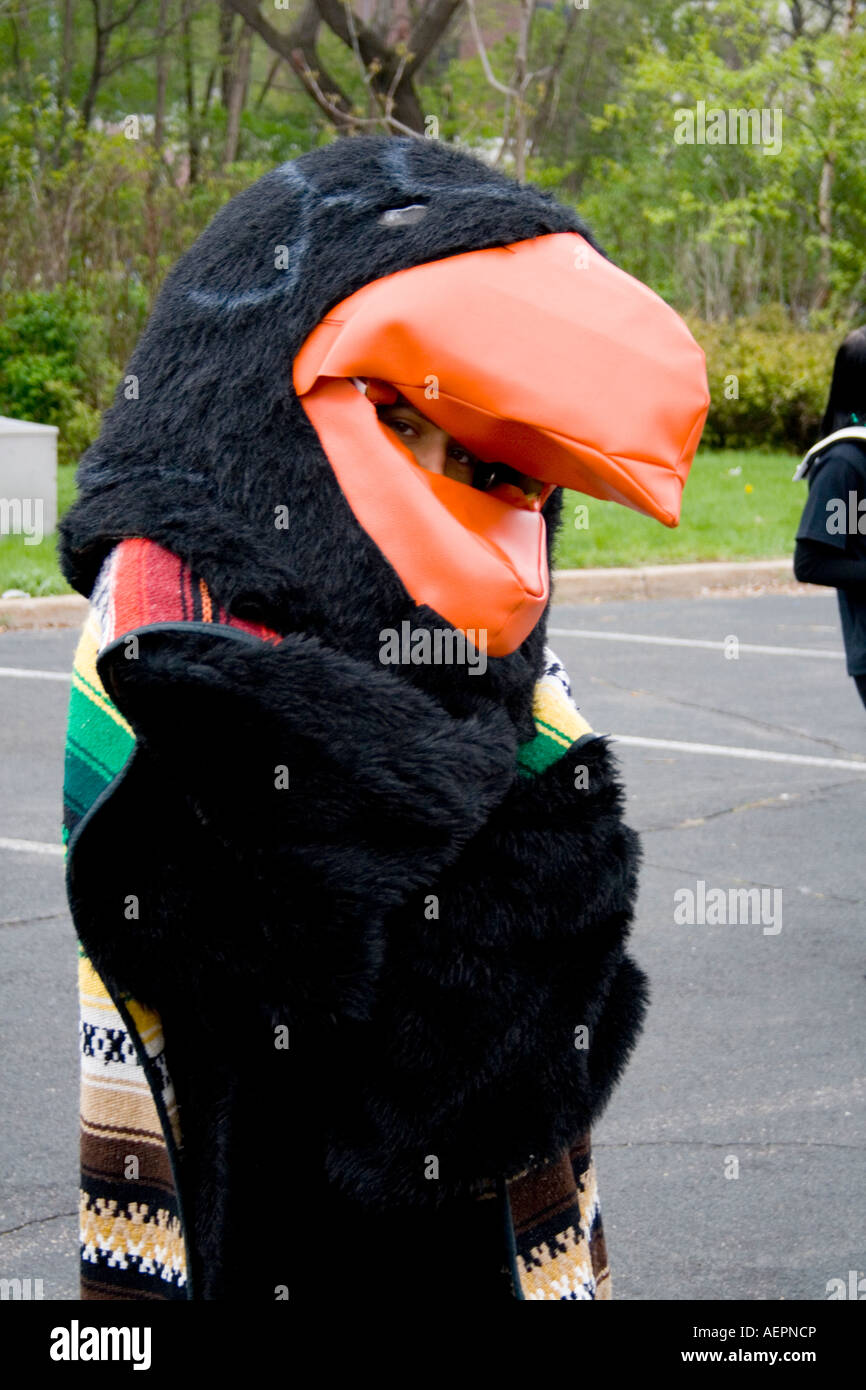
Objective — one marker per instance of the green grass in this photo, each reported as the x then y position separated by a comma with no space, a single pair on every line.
720,520
750,515
34,568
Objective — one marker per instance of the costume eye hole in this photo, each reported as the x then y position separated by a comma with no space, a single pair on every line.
486,475
403,217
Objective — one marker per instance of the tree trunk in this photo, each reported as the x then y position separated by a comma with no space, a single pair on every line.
66,58
825,185
297,47
266,85
161,78
520,85
226,51
825,221
544,114
237,94
66,54
189,83
97,69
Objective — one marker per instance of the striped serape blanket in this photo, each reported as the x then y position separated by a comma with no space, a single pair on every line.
134,1241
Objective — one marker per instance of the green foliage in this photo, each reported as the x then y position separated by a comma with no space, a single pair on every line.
722,228
722,231
53,364
92,223
769,381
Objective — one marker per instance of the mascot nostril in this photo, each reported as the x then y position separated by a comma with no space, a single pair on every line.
347,866
403,217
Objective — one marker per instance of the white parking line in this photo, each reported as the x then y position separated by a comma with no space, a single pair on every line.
30,846
650,639
718,750
691,642
25,673
721,750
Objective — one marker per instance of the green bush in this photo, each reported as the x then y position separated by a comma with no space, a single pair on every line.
768,380
53,364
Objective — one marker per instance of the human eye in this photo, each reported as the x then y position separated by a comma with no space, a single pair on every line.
461,455
404,427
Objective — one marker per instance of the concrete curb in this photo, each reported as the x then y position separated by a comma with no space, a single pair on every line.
677,581
569,586
58,610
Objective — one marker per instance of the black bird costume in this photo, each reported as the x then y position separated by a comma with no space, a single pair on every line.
352,932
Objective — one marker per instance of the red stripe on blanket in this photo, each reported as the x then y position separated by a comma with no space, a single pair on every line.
150,584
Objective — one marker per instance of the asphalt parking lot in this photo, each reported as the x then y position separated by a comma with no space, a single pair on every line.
731,1158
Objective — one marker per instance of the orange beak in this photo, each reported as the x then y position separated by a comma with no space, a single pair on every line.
541,355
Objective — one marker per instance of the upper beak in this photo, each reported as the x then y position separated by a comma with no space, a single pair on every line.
541,355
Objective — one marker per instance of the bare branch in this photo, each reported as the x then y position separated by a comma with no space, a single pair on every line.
352,32
482,54
298,47
122,18
385,70
349,119
428,30
269,80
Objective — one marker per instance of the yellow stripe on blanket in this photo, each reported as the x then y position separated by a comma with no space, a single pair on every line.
94,994
556,715
84,675
98,1008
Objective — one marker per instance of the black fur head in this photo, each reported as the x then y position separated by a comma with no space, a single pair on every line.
206,437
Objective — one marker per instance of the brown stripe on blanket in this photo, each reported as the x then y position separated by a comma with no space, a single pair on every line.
559,1239
107,1155
98,1293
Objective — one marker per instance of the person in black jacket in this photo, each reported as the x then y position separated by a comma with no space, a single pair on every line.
831,538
